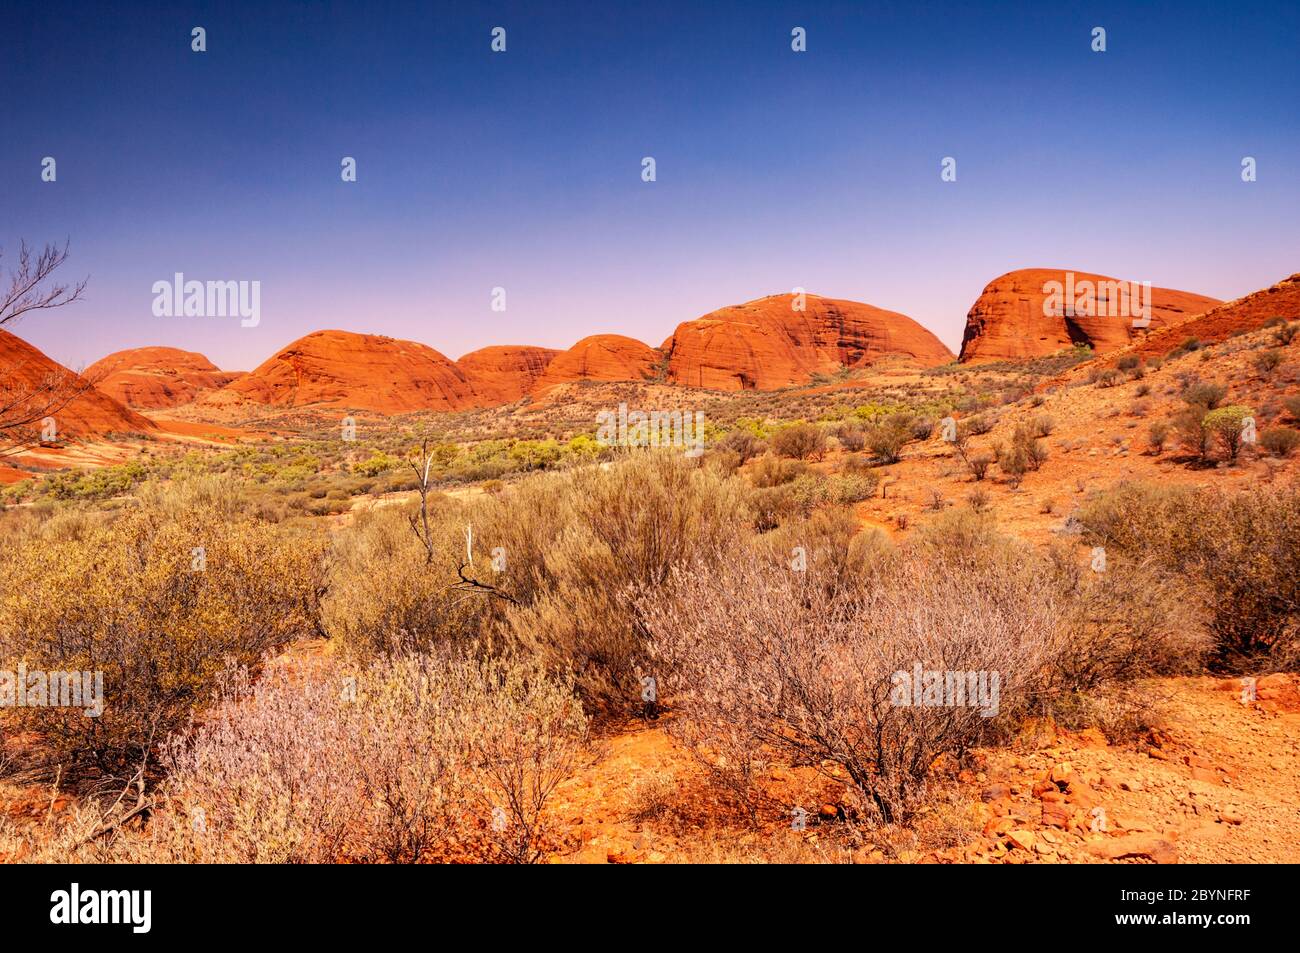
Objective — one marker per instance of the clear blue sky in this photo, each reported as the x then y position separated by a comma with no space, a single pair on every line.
775,169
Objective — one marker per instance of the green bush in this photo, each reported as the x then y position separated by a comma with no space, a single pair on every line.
1227,426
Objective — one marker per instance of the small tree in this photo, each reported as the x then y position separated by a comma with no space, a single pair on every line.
1227,425
1192,434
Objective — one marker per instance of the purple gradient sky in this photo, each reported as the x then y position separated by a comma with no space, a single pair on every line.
522,170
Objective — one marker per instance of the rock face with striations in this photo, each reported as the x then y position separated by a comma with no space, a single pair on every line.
360,371
767,343
601,357
1022,314
502,374
33,384
153,378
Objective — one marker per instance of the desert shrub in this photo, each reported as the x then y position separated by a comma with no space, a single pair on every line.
1285,332
535,454
856,486
1042,426
1157,434
1266,362
978,425
772,506
1227,426
1279,441
1026,452
887,440
155,600
742,443
831,543
1292,405
799,441
759,659
625,528
384,597
809,491
378,462
1131,621
1189,427
1111,378
409,759
1128,362
1205,395
1242,551
922,428
723,462
772,471
851,435
979,464
957,532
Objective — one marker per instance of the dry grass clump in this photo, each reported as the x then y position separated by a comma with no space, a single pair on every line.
156,599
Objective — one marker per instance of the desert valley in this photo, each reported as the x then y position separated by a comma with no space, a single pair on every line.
363,602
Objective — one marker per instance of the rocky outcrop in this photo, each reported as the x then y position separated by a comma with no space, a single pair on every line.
769,343
1039,311
33,384
358,371
502,374
1242,315
153,378
601,357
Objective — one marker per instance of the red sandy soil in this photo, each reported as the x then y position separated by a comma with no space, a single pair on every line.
216,433
1219,782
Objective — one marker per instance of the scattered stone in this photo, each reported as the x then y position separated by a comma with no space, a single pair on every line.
999,826
1025,840
1148,846
1042,787
995,792
1057,814
1061,772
